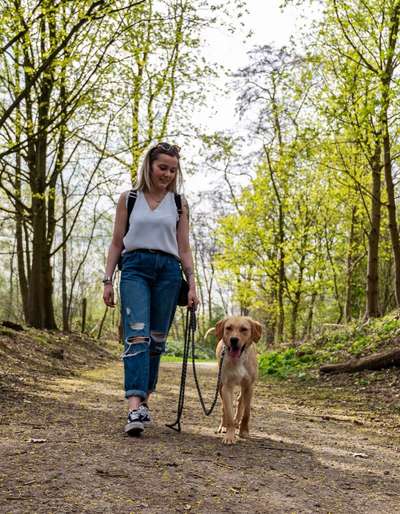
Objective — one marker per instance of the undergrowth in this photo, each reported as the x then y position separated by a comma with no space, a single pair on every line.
331,345
175,349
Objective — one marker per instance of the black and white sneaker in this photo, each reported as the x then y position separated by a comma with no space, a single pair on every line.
134,426
145,417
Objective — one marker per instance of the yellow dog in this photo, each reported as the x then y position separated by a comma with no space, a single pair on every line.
239,368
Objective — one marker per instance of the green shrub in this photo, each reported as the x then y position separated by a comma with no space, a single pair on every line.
290,361
332,345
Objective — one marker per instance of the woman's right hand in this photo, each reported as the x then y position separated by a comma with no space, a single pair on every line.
108,295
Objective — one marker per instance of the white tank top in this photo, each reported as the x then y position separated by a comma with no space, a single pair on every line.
153,229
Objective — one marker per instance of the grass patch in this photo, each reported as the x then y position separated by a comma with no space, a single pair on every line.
332,345
174,358
175,349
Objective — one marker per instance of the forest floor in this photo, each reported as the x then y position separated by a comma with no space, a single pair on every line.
316,447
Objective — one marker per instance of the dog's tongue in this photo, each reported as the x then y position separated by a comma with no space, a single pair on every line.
235,353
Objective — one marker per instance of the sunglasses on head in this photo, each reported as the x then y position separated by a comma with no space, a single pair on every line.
166,147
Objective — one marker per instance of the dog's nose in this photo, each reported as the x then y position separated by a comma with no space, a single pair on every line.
234,341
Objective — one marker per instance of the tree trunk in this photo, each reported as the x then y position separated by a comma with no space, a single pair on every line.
334,275
309,322
387,161
102,323
281,278
349,269
391,205
64,259
372,307
64,294
281,259
380,360
9,310
19,213
297,298
40,296
84,309
19,237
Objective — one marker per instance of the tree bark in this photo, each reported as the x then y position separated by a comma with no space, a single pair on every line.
372,307
281,256
64,257
102,323
297,295
40,296
391,205
387,160
84,310
349,269
308,325
19,237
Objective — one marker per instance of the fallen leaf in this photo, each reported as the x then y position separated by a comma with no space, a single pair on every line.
106,473
235,489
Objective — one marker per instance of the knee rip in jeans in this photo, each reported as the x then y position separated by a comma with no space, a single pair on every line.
158,343
138,325
158,337
130,350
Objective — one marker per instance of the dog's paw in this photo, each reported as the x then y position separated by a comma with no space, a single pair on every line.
221,429
244,434
229,437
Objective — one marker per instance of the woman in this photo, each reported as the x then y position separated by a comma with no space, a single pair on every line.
156,242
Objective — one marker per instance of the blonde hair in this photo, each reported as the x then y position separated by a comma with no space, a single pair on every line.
143,182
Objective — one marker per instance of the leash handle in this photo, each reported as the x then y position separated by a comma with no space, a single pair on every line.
193,319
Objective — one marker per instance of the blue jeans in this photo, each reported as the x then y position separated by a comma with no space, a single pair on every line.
149,288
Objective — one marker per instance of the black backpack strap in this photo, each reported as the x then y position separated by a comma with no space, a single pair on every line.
130,205
178,203
132,195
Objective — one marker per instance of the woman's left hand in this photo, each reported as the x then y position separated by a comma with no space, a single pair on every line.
193,301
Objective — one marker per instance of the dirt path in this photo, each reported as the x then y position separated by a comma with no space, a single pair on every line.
63,450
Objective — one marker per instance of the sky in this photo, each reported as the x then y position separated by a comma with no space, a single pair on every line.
269,25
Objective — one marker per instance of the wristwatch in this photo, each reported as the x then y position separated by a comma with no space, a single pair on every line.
107,279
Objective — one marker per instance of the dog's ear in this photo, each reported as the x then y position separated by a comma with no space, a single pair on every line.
219,329
256,330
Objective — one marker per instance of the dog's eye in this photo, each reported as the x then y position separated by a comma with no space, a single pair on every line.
243,329
228,328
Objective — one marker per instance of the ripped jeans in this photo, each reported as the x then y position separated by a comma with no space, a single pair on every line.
149,289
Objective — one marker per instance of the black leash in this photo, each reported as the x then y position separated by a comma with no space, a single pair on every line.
209,411
190,328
